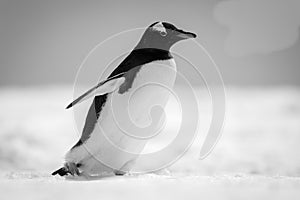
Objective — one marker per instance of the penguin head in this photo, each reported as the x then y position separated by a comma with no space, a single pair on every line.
162,35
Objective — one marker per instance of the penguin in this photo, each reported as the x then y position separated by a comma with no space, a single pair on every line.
104,148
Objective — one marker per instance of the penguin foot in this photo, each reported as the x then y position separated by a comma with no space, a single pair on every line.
68,168
62,172
119,173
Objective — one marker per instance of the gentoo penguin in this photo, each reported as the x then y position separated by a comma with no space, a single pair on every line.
106,146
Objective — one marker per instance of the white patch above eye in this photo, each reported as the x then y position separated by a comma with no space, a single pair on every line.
160,28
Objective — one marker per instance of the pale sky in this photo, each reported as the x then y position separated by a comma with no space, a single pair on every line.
254,42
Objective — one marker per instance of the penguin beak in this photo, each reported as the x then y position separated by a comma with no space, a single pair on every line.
185,35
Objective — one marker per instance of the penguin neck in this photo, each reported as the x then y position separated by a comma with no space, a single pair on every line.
153,44
157,50
151,54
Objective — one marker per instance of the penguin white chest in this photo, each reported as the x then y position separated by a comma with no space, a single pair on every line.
151,87
128,116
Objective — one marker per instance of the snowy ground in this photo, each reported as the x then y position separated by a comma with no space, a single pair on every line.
40,186
257,157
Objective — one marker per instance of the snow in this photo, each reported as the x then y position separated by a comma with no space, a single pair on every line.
256,158
41,186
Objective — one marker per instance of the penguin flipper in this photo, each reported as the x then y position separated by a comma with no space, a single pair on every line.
106,86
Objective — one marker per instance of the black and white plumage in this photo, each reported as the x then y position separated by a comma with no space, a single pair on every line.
149,62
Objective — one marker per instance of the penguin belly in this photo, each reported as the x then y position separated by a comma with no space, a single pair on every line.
127,121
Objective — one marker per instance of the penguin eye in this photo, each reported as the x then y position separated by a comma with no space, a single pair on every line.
163,33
